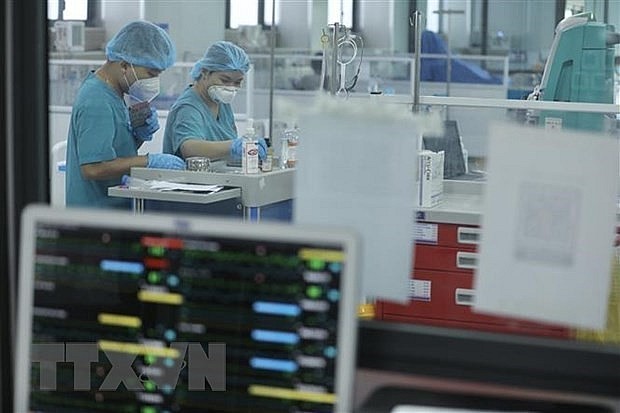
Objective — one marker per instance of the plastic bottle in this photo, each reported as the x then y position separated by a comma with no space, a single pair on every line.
267,164
292,140
283,150
249,157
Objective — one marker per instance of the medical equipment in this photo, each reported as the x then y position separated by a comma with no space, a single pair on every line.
579,69
341,49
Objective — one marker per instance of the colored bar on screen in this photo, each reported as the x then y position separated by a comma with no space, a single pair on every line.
266,307
272,336
122,266
264,363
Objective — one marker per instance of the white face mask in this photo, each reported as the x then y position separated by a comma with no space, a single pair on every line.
223,94
142,90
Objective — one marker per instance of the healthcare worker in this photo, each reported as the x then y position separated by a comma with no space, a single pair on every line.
102,145
201,121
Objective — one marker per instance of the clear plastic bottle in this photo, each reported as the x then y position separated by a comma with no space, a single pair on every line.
283,150
290,140
249,157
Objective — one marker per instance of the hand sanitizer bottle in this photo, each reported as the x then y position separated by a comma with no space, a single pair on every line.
249,158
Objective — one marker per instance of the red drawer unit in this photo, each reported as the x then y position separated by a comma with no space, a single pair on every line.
441,286
444,258
465,237
446,298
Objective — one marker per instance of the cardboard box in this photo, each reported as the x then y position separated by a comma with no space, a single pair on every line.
429,183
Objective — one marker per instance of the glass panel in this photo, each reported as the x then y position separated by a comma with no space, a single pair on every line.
243,13
432,18
269,11
75,10
52,9
340,11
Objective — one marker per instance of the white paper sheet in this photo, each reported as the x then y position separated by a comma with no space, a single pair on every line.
163,186
356,168
548,226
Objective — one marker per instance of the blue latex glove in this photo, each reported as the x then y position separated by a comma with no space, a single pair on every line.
262,149
164,161
236,148
151,125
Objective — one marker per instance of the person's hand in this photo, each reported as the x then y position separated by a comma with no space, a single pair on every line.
164,161
236,148
151,125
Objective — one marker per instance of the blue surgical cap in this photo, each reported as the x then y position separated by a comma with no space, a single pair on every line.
222,57
142,44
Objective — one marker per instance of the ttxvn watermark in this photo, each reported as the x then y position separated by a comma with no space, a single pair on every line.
133,365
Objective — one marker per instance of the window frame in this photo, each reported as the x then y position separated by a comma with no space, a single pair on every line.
260,20
261,14
354,7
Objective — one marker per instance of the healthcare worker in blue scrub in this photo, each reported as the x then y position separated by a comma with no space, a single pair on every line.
102,144
201,121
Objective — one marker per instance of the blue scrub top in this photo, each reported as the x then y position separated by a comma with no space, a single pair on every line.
99,131
191,118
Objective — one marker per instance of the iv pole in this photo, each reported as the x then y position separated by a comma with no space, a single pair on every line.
333,73
416,22
448,12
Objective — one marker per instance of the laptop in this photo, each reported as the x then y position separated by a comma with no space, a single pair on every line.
161,313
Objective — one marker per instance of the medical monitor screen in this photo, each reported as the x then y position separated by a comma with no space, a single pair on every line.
139,320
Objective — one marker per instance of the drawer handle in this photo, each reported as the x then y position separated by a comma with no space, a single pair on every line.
467,235
466,260
464,296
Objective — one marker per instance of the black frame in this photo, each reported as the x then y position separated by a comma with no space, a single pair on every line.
24,149
568,366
